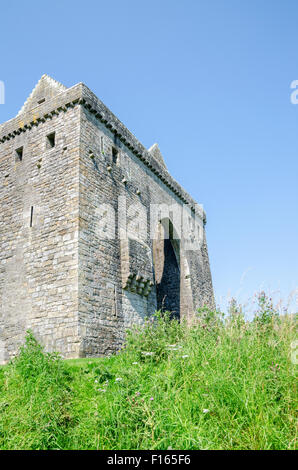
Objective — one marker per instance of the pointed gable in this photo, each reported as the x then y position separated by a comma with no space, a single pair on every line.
156,153
45,89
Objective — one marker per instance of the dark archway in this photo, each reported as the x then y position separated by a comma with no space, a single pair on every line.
167,271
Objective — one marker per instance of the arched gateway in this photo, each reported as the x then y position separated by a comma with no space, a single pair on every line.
166,257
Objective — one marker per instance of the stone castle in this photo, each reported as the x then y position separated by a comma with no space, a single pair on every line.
90,233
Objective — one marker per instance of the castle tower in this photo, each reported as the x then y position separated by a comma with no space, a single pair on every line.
95,234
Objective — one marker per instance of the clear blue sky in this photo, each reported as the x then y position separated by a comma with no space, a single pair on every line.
209,80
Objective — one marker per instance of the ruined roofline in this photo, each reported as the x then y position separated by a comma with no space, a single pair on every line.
80,94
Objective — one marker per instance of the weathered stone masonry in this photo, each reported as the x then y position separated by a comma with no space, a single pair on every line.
61,159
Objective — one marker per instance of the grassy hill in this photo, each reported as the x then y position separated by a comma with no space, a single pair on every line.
221,384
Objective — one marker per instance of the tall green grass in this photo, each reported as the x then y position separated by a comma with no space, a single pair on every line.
219,384
35,400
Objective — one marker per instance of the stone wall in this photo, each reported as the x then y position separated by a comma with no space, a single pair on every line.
39,195
68,169
116,274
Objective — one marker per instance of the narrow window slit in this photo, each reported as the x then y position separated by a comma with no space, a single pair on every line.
31,217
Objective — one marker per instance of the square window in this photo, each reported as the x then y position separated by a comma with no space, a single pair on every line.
51,140
19,154
115,155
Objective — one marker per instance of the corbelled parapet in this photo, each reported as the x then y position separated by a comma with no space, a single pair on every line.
81,95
